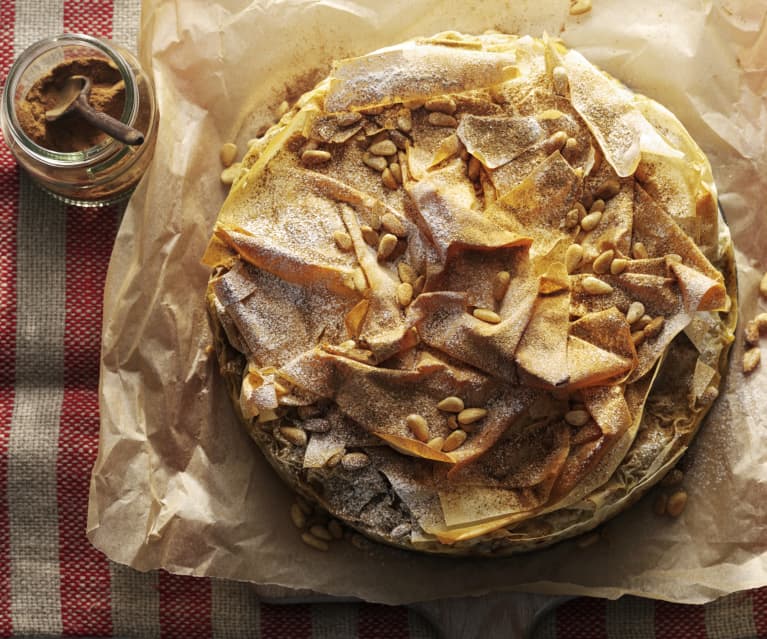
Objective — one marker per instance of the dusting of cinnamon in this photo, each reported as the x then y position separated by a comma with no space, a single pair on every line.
71,133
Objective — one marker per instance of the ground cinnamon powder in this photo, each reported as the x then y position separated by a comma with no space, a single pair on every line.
70,132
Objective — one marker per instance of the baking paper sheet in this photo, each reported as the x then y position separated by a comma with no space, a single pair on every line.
178,484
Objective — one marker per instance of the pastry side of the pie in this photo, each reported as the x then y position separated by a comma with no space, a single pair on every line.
471,295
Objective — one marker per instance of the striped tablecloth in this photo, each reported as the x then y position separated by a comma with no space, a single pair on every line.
53,261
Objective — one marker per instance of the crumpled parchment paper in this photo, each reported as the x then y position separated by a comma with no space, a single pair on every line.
179,485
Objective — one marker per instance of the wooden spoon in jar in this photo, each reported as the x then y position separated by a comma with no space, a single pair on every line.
74,99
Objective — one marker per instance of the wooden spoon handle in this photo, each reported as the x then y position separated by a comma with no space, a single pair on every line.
107,123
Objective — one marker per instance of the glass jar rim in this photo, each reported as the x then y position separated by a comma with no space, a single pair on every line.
73,159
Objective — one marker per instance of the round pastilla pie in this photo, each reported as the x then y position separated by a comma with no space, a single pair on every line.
471,295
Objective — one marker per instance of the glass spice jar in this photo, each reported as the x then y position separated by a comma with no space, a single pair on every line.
69,159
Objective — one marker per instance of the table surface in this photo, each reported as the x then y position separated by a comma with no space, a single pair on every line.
53,262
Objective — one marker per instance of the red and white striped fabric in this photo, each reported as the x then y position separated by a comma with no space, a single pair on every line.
53,261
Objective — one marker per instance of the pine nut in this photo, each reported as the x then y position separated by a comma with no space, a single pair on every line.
501,285
763,286
313,157
405,121
471,415
572,219
751,333
295,436
392,224
348,119
608,189
590,222
618,265
442,104
369,235
317,544
451,404
454,440
638,338
595,286
384,147
343,241
297,516
437,118
396,171
436,443
320,532
404,294
602,263
555,142
334,460
418,426
635,312
486,315
388,179
577,417
375,162
386,245
227,154
643,321
751,359
406,272
639,251
579,7
573,257
676,503
354,461
230,174
654,328
598,205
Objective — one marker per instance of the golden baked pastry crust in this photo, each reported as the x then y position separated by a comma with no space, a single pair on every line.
472,295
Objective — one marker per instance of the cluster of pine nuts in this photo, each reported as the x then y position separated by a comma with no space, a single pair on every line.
755,327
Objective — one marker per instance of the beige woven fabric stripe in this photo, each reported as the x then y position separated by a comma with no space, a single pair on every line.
234,610
135,603
731,616
33,441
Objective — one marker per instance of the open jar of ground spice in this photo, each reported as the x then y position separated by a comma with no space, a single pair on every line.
69,157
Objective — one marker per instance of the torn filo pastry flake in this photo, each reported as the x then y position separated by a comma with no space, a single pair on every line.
471,295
